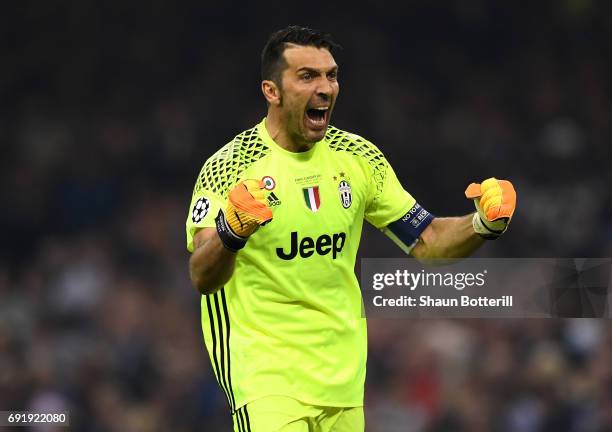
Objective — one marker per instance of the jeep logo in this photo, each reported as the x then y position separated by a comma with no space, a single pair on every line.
308,246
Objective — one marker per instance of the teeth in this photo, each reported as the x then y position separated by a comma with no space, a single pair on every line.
321,108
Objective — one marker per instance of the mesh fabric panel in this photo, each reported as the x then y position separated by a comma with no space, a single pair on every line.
222,170
343,141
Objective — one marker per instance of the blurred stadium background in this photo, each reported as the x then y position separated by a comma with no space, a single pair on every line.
108,110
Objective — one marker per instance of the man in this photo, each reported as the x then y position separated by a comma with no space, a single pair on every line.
274,226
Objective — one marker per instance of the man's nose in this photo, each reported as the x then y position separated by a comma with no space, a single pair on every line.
324,95
325,89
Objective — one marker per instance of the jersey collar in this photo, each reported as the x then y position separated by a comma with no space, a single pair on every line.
307,155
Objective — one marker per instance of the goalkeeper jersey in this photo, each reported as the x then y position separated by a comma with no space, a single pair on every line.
290,320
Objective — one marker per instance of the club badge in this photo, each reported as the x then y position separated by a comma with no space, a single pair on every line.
346,197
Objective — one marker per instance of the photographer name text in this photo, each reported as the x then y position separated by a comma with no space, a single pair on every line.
428,301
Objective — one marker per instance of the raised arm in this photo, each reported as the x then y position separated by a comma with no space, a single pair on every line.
456,237
211,264
214,255
451,237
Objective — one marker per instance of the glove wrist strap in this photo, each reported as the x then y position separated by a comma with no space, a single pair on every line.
229,238
484,231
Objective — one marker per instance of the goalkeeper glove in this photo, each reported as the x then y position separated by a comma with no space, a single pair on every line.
495,201
246,211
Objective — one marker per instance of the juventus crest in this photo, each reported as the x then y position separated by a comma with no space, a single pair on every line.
346,197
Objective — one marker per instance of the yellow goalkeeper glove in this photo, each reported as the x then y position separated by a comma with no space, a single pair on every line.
246,211
495,202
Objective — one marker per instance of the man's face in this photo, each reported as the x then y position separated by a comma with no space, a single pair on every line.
309,88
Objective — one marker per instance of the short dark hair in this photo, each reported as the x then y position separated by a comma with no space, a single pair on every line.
272,60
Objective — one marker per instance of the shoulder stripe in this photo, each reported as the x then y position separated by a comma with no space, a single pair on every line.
217,320
211,319
222,350
240,421
221,170
246,415
227,344
341,141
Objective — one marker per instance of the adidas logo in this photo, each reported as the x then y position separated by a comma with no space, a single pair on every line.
273,200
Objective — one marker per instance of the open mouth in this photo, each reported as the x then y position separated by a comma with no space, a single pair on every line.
316,118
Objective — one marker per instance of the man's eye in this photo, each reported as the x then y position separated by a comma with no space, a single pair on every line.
307,76
332,75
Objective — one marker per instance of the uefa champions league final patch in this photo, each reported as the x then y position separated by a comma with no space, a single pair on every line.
200,210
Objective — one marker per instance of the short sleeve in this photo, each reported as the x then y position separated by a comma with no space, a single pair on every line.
218,175
387,201
204,207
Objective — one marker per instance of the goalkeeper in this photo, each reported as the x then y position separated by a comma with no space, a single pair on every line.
274,226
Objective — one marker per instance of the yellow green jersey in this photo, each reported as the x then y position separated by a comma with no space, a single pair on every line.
289,321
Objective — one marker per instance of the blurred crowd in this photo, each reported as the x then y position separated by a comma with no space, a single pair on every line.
108,110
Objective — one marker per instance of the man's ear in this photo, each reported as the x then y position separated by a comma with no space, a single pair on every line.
271,92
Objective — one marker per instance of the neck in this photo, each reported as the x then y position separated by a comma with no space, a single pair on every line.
281,136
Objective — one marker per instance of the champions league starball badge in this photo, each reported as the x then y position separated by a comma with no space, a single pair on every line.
200,210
